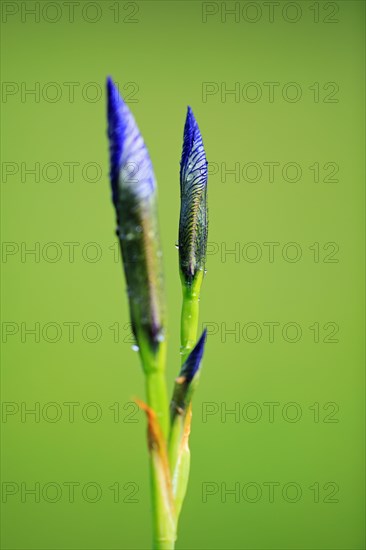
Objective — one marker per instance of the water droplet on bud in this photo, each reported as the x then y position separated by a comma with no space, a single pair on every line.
135,347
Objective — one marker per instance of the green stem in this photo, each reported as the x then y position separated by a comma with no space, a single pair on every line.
157,399
153,363
175,437
164,524
179,460
190,314
164,545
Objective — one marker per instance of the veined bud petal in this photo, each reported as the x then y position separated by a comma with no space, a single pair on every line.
193,221
134,197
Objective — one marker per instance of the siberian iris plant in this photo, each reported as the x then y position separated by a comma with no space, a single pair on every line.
135,200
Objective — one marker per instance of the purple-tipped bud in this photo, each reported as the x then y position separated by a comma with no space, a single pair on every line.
187,380
193,362
134,197
193,211
131,171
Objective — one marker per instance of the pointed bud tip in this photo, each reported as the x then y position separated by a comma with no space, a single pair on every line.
191,128
130,164
114,98
109,82
190,115
193,362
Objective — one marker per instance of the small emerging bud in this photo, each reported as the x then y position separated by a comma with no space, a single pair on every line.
134,197
180,421
187,380
193,209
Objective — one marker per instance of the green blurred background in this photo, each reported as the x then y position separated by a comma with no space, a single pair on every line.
296,473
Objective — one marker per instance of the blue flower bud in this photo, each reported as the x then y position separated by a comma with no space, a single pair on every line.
134,197
193,211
